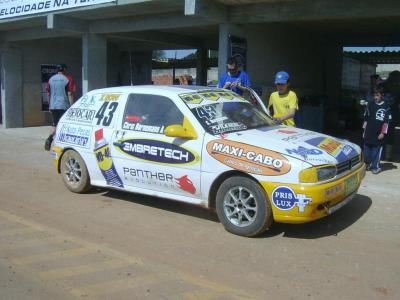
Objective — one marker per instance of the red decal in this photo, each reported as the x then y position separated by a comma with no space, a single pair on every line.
287,131
134,119
186,184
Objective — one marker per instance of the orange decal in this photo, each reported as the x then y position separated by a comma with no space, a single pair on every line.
248,158
330,146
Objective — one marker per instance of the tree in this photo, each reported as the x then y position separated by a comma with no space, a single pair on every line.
157,54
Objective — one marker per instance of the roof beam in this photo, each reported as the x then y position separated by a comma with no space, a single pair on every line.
161,38
206,9
142,23
313,10
63,23
32,34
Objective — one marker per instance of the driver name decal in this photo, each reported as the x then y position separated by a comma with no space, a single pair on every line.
248,158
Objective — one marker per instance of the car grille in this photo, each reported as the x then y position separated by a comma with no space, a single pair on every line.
348,164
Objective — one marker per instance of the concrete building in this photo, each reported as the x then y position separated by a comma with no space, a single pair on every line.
102,41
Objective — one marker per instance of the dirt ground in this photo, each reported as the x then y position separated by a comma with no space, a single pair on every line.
112,245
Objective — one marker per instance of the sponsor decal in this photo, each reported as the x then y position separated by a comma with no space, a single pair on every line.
198,97
284,198
233,126
334,190
87,102
159,179
157,151
341,152
302,151
109,97
75,135
186,184
285,131
250,159
298,136
104,160
80,115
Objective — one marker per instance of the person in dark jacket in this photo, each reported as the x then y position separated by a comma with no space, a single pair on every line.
376,122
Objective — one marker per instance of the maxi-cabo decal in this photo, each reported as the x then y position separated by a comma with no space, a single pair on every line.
156,151
248,158
284,198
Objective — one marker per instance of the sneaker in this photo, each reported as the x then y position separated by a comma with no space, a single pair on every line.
376,171
368,168
47,145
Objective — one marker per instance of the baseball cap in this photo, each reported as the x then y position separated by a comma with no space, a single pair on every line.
281,77
61,67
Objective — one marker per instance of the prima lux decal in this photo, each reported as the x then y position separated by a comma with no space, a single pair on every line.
284,198
156,151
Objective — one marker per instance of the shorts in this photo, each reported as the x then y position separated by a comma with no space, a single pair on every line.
56,115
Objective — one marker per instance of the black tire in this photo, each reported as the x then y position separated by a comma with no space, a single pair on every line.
74,172
248,212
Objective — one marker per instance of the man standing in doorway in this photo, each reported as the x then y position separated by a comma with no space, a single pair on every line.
235,79
284,101
61,88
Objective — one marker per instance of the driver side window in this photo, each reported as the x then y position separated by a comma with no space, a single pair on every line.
150,113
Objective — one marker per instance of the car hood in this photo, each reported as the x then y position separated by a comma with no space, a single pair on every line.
312,147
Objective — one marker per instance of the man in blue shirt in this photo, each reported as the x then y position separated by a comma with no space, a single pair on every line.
235,79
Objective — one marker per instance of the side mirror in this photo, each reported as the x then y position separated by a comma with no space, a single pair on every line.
179,131
185,130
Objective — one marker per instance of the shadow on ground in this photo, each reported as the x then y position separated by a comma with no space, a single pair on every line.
165,204
328,226
386,166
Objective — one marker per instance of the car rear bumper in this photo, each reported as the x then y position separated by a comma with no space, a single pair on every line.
301,203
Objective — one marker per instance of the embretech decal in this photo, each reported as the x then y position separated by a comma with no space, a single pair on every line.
157,151
248,158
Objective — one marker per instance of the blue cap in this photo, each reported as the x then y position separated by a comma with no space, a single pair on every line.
281,77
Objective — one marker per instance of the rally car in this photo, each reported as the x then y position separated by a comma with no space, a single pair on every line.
208,147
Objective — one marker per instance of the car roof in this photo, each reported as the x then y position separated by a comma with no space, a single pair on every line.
156,89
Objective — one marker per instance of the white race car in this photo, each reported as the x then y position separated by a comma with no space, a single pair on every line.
208,147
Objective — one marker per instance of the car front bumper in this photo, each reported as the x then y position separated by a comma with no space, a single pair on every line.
321,199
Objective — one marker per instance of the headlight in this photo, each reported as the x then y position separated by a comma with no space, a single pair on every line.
326,173
316,174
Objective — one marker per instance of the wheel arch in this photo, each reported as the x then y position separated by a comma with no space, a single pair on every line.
219,180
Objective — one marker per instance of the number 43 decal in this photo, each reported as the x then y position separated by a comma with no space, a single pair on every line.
106,113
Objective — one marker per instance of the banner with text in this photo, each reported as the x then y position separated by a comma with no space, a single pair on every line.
17,8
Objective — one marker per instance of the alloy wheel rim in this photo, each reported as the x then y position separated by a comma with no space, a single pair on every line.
73,171
240,206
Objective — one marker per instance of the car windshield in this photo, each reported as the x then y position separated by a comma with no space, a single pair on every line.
230,116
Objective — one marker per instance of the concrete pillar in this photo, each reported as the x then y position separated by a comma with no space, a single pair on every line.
223,48
141,67
333,84
94,62
225,31
11,88
201,67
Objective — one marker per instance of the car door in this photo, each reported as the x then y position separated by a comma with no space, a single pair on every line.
147,157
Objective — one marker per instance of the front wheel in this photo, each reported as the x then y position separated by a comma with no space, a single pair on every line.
74,172
242,206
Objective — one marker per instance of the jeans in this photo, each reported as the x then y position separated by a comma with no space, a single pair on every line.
372,155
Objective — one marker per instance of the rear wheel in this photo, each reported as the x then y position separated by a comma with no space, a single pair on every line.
243,207
74,172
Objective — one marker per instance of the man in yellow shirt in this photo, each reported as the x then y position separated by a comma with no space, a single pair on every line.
284,101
